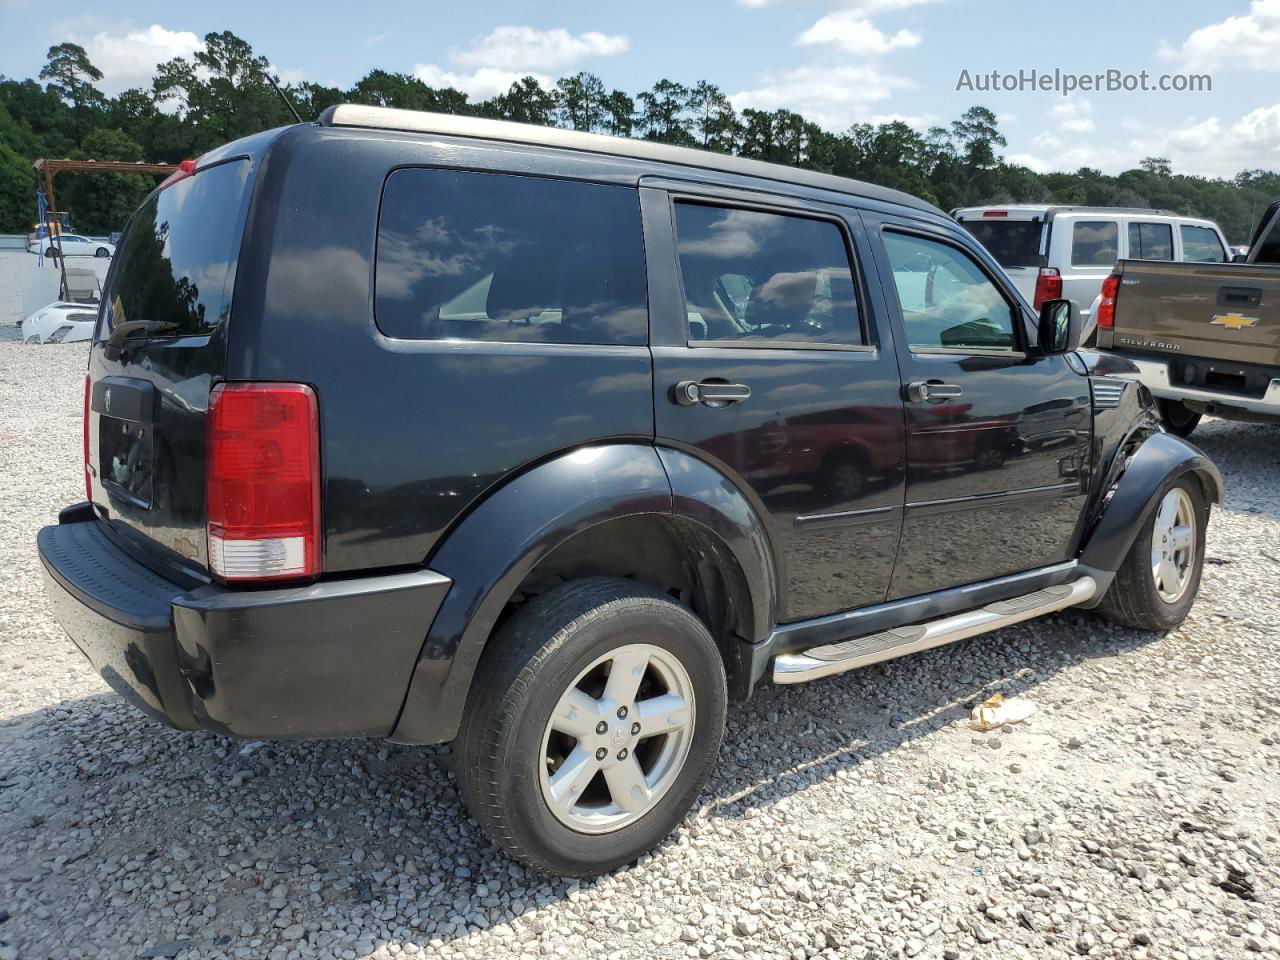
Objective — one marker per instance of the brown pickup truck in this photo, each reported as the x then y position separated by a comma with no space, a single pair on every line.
1204,336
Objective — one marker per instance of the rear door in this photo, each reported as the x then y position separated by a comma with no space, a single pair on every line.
996,435
171,282
770,365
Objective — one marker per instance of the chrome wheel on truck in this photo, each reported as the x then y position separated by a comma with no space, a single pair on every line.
594,721
1158,581
617,739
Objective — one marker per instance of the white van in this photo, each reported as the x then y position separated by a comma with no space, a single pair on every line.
1063,251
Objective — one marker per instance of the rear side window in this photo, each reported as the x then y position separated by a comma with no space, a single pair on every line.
1201,245
485,256
1094,243
765,278
176,261
1013,243
1151,241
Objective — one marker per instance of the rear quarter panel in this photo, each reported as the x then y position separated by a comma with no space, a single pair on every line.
412,431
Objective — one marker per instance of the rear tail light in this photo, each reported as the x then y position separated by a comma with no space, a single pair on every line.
263,481
1107,305
1048,286
88,477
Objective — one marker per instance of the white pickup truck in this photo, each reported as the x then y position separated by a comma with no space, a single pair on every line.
1053,252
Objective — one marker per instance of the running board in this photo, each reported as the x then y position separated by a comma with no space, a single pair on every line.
861,651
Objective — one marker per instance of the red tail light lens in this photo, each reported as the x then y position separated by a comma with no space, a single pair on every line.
1107,305
263,481
88,477
1048,286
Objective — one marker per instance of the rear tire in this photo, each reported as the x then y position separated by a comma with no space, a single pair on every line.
551,670
1177,417
1158,582
102,253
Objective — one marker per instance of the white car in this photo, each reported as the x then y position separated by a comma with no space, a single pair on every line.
74,245
1052,252
60,322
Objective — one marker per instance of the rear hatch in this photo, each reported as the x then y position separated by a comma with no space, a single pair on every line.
1204,311
159,345
1014,239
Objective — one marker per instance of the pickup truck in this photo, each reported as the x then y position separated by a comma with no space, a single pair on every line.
1205,337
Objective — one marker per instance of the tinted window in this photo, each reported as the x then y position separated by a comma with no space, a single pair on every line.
484,256
1094,243
1151,241
1013,243
1269,245
947,301
762,277
1201,245
176,260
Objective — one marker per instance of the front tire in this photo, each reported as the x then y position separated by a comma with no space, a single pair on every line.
593,725
1177,417
1158,582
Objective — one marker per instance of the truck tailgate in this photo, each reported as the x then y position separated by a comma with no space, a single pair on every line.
1212,311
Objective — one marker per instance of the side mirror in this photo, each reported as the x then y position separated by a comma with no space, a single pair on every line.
1060,327
1240,258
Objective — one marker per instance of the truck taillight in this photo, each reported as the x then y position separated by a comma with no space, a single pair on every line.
263,481
88,477
1107,305
1048,286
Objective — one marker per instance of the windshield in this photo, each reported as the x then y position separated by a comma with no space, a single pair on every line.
176,261
1014,243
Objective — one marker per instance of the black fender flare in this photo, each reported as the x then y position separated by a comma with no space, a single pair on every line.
1156,461
491,551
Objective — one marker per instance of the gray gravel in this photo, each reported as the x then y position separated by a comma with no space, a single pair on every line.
1136,815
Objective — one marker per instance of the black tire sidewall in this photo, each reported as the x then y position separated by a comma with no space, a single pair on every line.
649,620
1177,418
102,253
1169,615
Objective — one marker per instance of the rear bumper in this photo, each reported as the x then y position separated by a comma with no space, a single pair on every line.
1154,374
329,659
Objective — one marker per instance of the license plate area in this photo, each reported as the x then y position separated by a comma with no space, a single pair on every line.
126,428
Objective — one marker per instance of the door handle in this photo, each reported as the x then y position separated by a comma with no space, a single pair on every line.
709,393
933,390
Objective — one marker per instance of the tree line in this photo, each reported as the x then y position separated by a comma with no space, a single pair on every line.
221,93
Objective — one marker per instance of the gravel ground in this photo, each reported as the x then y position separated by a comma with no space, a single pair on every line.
1136,815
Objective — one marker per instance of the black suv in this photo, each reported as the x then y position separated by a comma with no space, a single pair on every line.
551,445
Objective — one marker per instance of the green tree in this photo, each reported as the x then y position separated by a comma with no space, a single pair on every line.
662,113
526,101
619,114
714,120
71,75
17,191
102,202
580,102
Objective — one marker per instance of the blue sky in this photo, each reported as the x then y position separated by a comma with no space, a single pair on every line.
836,61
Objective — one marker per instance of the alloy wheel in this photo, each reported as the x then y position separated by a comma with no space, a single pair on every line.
1173,545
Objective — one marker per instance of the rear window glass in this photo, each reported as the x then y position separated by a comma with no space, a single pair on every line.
176,261
1094,243
1151,241
1201,245
486,256
1014,243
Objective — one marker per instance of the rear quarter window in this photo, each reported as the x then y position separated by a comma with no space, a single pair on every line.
485,256
1094,243
1201,245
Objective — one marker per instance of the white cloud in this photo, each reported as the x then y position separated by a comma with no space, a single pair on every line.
1208,146
833,97
479,84
1251,41
1074,115
526,48
127,57
851,32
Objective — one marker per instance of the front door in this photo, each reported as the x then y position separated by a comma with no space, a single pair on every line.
768,365
996,433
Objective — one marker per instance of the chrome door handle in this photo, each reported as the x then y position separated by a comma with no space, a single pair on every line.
931,390
709,393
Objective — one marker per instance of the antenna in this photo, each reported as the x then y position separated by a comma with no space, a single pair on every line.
287,102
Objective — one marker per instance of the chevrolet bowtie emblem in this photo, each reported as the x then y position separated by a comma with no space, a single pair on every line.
1234,321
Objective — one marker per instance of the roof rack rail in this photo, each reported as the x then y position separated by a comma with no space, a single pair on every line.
443,124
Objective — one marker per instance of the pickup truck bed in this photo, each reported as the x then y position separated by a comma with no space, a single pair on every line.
1205,336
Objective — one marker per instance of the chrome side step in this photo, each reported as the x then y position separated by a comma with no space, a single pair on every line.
861,651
